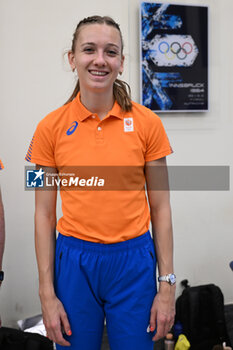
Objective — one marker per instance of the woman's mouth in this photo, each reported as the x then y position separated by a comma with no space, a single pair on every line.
98,73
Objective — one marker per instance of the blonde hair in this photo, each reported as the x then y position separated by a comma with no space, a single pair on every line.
121,90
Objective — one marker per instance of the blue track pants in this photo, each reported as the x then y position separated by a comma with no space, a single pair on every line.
116,282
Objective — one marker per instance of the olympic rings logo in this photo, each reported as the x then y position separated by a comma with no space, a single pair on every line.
175,49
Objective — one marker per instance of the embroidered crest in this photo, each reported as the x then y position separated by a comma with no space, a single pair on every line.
128,124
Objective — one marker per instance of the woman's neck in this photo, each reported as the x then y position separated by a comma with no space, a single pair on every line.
99,103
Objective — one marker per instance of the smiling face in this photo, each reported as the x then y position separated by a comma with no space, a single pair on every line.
97,57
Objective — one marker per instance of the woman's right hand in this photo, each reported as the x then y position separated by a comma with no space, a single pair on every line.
55,320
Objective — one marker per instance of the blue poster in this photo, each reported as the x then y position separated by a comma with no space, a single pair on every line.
174,57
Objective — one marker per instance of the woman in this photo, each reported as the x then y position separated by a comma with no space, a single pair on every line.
104,256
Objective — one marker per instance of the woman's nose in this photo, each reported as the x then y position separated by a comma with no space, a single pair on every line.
100,59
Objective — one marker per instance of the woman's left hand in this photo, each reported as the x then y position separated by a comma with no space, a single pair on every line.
163,311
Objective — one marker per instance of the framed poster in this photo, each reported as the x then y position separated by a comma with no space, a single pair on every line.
174,57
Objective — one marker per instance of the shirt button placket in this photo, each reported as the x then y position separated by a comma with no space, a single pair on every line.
99,134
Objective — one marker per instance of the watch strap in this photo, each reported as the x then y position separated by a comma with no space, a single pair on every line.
170,278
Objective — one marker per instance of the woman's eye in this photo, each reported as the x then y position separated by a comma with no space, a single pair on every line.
112,52
88,49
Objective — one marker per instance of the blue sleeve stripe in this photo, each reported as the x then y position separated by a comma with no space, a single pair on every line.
29,152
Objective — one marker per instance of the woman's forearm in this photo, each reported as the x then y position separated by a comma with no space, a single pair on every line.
163,238
45,236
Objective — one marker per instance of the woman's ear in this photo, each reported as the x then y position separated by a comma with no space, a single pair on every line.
71,60
122,64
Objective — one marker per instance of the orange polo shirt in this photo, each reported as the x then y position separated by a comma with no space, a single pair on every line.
1,165
118,146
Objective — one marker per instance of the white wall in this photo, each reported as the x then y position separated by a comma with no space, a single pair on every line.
35,80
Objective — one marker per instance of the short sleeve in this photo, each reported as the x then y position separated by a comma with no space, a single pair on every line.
1,165
157,144
41,149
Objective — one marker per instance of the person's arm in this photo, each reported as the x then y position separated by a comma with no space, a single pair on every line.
2,236
2,231
163,308
54,315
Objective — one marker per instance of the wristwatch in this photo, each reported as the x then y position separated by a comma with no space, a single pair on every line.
170,278
1,276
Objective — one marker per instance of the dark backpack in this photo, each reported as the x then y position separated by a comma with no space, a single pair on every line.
201,312
14,339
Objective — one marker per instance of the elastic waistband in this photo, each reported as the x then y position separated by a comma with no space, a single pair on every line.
103,248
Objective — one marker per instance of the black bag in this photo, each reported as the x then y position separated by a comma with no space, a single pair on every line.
201,312
14,339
